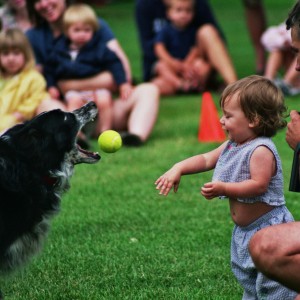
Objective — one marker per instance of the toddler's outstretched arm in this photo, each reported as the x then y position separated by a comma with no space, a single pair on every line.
192,165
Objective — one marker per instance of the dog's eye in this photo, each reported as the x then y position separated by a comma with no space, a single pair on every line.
65,118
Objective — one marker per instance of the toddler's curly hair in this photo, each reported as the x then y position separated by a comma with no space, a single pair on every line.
261,101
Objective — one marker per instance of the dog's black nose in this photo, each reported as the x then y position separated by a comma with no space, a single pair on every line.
91,105
88,111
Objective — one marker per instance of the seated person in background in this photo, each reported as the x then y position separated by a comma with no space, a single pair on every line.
82,53
151,18
47,32
22,88
134,116
14,14
277,41
181,65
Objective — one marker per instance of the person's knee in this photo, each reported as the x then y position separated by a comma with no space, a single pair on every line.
262,251
207,31
255,246
74,103
147,88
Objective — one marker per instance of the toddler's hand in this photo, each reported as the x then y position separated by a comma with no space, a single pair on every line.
211,190
168,180
54,92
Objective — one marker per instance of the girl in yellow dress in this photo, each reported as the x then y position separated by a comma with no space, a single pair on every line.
22,88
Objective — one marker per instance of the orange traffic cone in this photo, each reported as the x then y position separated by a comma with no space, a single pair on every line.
210,129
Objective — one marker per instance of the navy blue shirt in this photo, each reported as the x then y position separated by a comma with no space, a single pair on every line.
151,17
42,40
92,58
177,42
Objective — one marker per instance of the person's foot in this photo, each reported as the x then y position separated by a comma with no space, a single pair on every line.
130,139
287,89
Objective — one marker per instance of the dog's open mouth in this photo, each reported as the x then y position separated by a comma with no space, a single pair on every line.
84,115
85,156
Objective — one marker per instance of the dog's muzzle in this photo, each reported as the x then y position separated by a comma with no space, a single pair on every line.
84,115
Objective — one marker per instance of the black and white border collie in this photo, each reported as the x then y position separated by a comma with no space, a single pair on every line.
37,159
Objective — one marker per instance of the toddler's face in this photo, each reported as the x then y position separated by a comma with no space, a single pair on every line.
12,61
234,121
80,33
181,14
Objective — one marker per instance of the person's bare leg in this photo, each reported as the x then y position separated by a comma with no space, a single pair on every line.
99,81
74,101
214,48
103,99
138,114
275,251
274,63
144,114
256,23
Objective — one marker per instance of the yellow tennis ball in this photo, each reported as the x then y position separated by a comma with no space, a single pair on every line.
110,141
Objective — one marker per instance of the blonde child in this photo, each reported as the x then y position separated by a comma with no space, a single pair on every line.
81,54
22,88
247,171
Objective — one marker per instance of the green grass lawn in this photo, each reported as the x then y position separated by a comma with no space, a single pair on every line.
115,237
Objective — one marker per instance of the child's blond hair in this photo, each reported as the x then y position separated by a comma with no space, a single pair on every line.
80,13
261,101
14,38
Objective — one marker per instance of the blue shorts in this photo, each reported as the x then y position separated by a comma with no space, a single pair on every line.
255,284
